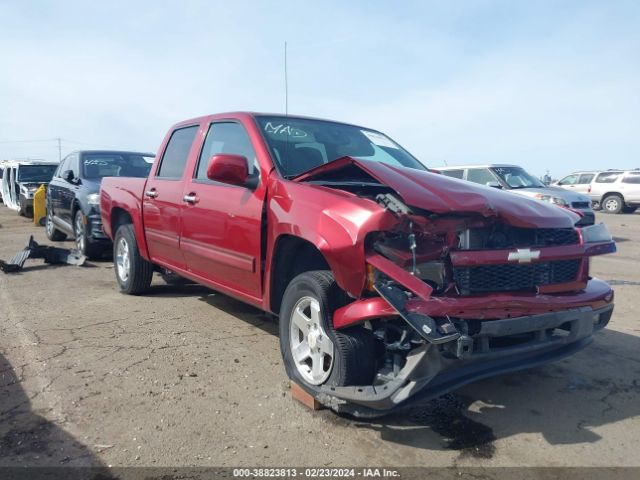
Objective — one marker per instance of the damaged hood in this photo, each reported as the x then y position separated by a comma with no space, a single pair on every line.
443,195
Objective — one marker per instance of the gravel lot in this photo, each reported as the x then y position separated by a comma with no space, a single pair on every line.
188,377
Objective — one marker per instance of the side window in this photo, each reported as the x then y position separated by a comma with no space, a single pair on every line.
63,166
569,180
632,178
226,137
175,155
480,175
607,177
73,165
453,173
586,178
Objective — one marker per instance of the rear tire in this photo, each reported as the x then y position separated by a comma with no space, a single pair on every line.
53,233
612,204
133,273
313,352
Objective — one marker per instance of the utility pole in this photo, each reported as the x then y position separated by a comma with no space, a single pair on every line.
286,82
59,149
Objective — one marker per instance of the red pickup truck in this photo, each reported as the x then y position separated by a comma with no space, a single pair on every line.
390,281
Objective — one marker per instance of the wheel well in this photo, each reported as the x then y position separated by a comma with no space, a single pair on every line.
291,257
74,209
609,194
119,217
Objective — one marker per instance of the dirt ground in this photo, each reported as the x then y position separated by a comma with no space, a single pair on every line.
187,377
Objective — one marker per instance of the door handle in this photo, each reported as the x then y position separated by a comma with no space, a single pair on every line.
151,193
191,198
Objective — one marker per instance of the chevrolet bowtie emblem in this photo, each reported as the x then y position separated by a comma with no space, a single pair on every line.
524,255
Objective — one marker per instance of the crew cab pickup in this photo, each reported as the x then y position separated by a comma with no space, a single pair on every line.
392,283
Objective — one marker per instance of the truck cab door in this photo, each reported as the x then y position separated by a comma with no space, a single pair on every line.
222,223
162,202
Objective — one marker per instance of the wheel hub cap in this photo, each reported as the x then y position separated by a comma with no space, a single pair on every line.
311,348
123,261
80,234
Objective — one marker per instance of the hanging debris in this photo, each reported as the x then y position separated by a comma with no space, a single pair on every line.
51,255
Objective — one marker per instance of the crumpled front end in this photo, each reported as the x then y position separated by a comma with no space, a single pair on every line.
458,290
451,309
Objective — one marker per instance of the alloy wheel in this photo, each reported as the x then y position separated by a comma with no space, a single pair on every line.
311,348
49,224
123,260
611,204
79,233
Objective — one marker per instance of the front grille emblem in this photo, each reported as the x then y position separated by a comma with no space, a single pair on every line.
524,255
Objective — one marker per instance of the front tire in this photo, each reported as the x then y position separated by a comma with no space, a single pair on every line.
133,273
313,352
612,204
53,233
83,245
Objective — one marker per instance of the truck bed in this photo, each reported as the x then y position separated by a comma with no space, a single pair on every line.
121,193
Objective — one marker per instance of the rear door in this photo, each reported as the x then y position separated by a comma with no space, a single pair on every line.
605,182
221,227
162,199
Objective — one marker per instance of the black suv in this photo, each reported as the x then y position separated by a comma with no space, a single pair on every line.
73,196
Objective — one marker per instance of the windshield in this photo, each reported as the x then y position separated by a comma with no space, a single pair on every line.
516,177
298,145
99,165
36,173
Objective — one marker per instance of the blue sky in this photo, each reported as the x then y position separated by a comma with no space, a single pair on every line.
548,85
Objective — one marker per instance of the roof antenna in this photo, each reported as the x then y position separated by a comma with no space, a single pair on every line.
286,83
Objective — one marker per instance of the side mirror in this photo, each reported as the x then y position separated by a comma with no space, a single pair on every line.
68,176
494,185
228,168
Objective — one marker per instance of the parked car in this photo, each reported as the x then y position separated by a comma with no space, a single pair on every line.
21,179
390,281
516,180
73,200
614,191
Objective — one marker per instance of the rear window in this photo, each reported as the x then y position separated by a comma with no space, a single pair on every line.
632,178
453,173
608,177
176,153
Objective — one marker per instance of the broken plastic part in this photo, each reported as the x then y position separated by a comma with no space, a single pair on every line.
431,330
392,203
51,255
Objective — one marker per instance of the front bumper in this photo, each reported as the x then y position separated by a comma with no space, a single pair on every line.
94,228
498,346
